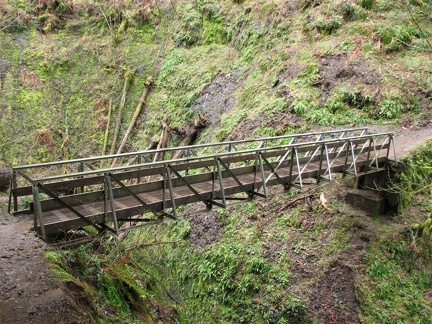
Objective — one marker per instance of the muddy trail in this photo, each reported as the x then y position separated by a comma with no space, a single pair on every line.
30,294
28,291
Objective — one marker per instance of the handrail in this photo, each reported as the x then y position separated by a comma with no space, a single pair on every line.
204,157
171,149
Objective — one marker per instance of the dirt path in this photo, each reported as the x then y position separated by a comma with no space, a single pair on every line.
406,139
29,293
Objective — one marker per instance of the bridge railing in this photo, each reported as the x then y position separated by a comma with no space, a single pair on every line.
22,175
90,180
250,171
140,157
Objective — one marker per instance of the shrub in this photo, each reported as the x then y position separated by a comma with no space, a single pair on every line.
328,25
356,99
309,3
299,107
395,37
367,4
335,105
390,108
348,10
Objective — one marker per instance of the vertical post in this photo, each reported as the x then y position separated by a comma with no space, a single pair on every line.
375,153
186,155
263,180
38,210
328,163
354,159
298,168
106,197
139,158
368,156
15,198
320,164
12,186
391,143
221,187
111,197
291,168
255,175
164,182
212,195
81,169
171,191
346,158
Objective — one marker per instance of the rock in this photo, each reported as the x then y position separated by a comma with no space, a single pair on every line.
5,177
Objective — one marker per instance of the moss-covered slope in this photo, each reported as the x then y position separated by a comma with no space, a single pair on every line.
251,68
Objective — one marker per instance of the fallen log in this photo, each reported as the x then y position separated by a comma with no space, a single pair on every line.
189,134
147,85
107,127
159,156
128,78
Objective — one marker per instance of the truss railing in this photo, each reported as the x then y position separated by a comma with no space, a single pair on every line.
285,164
21,173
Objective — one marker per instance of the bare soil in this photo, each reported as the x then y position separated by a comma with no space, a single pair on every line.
336,69
28,291
217,98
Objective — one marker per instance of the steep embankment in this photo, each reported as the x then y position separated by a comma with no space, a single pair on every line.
29,293
250,68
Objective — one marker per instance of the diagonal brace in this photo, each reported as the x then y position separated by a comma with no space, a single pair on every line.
66,205
273,170
250,193
142,202
196,193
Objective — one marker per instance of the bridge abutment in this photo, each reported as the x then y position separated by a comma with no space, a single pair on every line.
372,194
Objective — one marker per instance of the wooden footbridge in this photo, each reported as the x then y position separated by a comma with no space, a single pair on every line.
67,195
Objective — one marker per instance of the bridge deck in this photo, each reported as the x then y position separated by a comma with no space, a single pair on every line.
63,219
107,198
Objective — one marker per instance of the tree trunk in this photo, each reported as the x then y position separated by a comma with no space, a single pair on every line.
159,156
107,129
137,112
127,80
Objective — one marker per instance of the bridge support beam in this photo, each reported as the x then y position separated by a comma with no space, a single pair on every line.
371,193
370,201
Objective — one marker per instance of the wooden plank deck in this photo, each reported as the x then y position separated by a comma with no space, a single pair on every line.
61,219
87,195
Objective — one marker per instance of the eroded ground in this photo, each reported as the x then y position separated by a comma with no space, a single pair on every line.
28,292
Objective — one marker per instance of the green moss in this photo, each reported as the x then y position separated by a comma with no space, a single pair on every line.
58,267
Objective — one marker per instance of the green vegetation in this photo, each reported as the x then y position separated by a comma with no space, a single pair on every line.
397,275
265,265
286,69
53,52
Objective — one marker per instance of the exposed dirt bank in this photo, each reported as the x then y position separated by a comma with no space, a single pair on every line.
28,292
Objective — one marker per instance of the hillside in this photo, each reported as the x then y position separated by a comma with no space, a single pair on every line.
71,70
250,68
